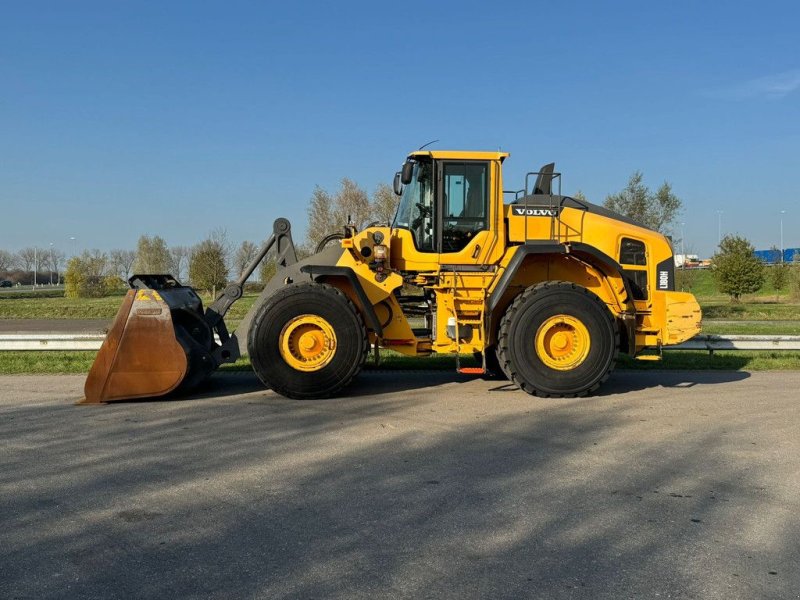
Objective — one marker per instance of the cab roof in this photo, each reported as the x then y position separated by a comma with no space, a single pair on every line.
460,155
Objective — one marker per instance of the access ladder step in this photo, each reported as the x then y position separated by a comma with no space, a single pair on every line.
471,370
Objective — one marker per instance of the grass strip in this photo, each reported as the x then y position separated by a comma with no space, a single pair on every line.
58,307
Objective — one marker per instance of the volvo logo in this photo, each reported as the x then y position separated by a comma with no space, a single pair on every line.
535,212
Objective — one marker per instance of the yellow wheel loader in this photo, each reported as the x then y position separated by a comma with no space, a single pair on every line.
544,289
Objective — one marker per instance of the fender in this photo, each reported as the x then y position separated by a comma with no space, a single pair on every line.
318,271
598,259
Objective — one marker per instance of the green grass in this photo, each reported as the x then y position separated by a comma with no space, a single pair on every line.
25,293
751,328
751,311
16,363
34,306
720,360
701,283
59,308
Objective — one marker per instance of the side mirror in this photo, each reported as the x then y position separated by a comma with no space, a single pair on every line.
397,185
407,172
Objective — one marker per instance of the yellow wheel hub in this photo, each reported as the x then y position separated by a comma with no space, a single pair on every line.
307,343
562,342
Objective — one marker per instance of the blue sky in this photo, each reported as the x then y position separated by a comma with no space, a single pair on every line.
173,118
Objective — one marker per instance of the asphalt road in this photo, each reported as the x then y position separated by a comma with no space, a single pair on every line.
416,485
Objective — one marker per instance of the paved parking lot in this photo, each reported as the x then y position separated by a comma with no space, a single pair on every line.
416,485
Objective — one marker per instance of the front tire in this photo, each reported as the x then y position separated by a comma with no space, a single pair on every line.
308,341
558,339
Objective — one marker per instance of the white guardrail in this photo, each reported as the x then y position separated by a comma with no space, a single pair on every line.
92,341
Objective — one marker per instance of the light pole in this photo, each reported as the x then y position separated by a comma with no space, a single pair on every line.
783,212
72,239
719,227
51,263
35,265
683,246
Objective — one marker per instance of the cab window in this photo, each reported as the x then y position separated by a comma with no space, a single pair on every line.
465,209
633,258
416,210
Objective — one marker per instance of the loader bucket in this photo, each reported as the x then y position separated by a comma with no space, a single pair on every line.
141,355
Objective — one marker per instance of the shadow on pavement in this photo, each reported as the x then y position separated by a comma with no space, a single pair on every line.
425,495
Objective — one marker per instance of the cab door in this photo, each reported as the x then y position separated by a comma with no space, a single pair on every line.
466,232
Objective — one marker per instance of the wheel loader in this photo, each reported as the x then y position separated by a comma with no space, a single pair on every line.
544,289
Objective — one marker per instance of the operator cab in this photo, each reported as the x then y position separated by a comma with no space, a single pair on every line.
445,199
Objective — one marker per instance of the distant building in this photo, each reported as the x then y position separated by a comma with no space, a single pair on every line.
773,256
682,260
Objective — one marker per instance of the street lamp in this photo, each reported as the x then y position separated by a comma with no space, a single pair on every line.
719,227
783,212
51,263
683,247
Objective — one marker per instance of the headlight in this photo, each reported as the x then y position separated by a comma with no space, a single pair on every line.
380,252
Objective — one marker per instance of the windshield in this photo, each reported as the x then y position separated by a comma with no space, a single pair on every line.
415,211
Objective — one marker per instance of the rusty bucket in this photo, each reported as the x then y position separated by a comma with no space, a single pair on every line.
141,356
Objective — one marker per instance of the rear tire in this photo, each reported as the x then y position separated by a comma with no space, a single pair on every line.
558,339
333,318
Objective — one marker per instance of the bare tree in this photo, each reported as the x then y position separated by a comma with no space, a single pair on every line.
352,203
245,254
320,215
328,214
53,261
122,262
384,204
27,258
7,260
179,261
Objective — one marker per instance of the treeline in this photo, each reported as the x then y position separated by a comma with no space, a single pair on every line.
32,265
208,265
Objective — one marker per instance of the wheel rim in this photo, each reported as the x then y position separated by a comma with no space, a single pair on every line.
562,342
307,343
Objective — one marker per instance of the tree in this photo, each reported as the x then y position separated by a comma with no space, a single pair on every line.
245,254
122,263
636,201
179,261
152,255
7,260
267,270
579,195
86,276
384,204
320,215
208,263
27,258
736,268
328,214
778,277
53,260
